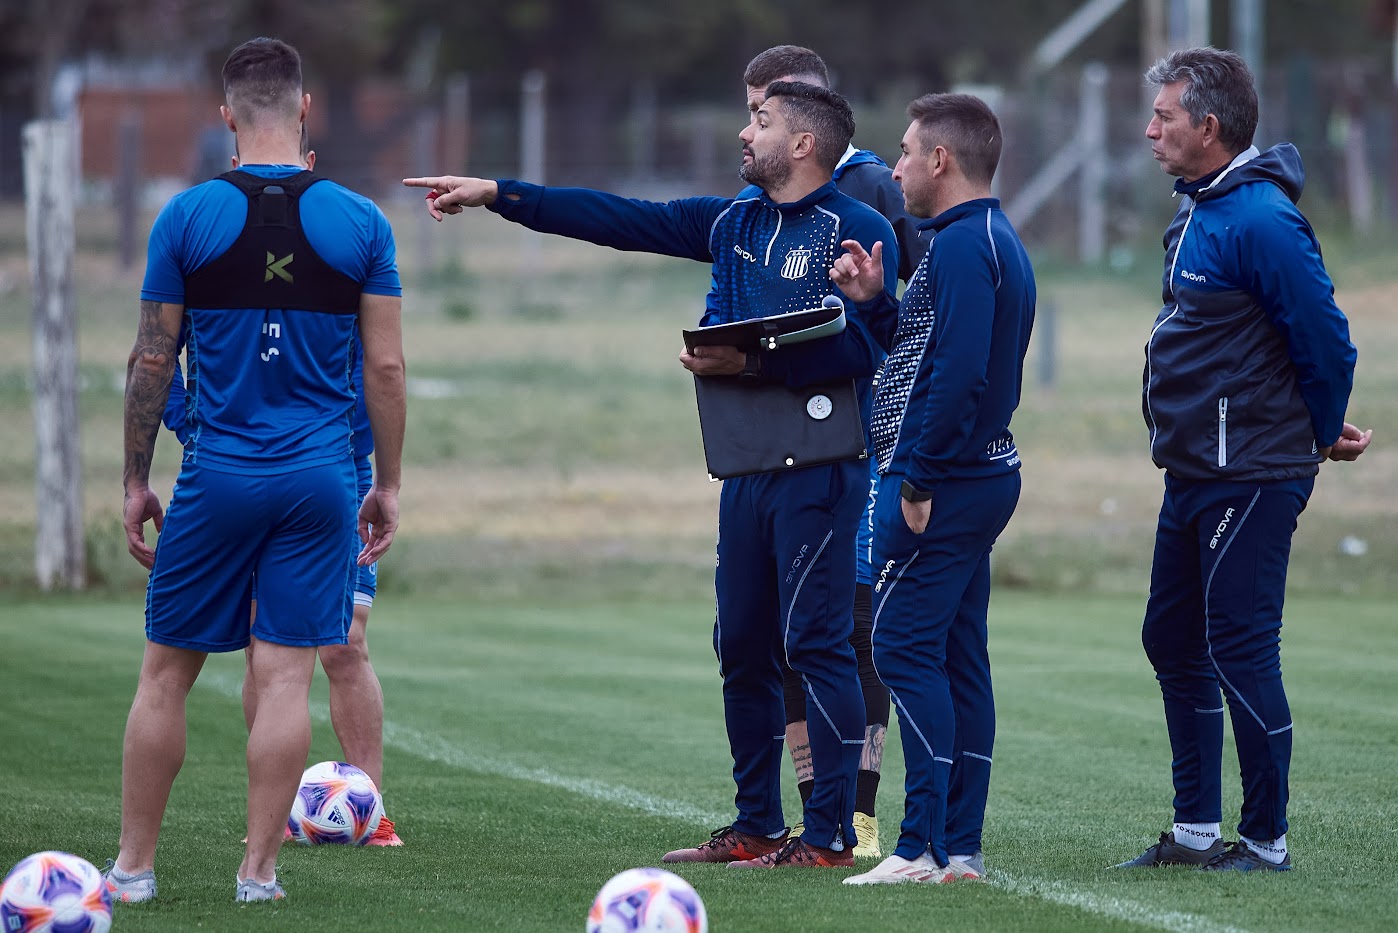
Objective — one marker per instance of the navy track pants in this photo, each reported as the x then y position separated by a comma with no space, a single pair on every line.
785,586
1214,621
931,598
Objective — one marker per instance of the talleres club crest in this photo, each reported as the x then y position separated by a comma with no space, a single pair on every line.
798,263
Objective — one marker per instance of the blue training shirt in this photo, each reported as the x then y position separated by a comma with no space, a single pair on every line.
270,391
176,416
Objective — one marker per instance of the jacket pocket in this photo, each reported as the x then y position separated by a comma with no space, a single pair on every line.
1223,431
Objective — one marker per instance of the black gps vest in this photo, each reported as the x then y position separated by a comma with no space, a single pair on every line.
271,264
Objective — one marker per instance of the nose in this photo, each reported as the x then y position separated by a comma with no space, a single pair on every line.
746,134
898,170
1153,128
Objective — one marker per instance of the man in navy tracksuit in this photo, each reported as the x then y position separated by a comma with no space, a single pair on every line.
1248,372
785,580
950,476
862,175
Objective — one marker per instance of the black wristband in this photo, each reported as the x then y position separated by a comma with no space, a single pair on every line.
913,494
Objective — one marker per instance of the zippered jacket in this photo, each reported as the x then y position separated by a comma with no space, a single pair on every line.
768,258
953,376
1249,366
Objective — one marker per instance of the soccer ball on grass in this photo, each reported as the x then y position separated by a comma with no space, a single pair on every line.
647,900
336,804
54,892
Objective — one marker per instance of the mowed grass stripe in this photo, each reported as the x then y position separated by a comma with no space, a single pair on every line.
1075,788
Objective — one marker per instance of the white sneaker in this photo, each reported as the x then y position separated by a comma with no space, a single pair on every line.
971,868
895,870
128,889
249,890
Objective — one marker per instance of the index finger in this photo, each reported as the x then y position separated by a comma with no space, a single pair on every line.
440,182
856,250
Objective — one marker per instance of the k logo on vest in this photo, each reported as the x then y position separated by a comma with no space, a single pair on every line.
798,263
277,267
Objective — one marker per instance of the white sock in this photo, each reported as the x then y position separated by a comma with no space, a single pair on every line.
777,835
961,858
1196,836
1274,851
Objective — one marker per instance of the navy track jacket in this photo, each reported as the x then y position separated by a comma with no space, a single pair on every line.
953,376
1249,366
767,258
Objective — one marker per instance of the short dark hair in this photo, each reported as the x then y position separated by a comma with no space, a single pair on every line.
262,76
782,61
965,126
1217,82
809,108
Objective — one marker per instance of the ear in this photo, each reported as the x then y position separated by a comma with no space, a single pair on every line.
311,161
227,115
305,106
805,145
939,161
1209,130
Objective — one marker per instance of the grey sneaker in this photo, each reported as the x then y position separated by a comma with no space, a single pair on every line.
1239,856
250,890
968,869
128,889
1169,852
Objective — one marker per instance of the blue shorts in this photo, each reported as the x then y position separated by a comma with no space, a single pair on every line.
366,580
287,530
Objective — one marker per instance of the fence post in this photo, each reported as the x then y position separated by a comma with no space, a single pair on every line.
533,116
1092,181
59,558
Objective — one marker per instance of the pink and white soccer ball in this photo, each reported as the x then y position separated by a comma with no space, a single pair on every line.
336,804
54,892
647,900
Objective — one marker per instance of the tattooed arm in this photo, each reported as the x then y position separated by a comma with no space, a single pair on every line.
148,373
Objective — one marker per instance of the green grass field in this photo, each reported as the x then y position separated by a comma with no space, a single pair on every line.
537,746
543,628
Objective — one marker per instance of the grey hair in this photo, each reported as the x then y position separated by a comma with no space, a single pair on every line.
1217,82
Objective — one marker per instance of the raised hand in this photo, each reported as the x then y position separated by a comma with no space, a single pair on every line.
859,274
449,194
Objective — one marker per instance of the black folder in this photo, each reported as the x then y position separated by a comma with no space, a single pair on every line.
769,428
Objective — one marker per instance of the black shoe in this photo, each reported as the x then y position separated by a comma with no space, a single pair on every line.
1239,856
1169,852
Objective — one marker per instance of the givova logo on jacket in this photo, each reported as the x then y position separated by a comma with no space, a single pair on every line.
797,264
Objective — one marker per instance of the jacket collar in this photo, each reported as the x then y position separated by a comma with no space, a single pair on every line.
823,193
952,214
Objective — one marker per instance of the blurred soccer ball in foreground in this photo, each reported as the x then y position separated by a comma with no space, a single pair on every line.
337,804
54,892
647,900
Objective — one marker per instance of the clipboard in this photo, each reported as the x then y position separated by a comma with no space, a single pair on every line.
749,429
777,330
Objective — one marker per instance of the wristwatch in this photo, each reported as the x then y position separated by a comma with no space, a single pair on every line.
913,494
752,368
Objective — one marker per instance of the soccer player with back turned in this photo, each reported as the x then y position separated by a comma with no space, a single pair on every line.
273,272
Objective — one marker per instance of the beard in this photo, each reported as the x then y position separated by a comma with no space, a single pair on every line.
767,172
